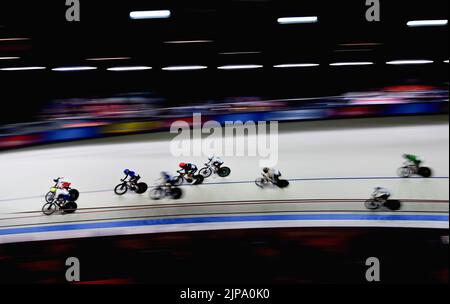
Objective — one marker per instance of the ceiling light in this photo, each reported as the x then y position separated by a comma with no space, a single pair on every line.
161,14
188,41
407,62
417,23
74,69
361,44
240,67
185,68
109,58
296,65
351,63
130,68
13,39
23,69
296,20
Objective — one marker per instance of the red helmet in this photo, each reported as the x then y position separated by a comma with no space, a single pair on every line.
66,185
182,165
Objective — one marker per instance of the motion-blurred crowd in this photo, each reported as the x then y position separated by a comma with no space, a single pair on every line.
82,118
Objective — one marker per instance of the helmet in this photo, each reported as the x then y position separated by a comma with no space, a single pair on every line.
378,188
182,165
126,171
66,185
266,170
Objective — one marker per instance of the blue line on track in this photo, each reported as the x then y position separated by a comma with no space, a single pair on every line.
227,219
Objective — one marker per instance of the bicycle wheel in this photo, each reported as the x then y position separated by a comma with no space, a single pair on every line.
49,197
141,188
49,208
70,207
74,195
260,182
157,194
393,205
206,172
177,193
178,181
404,172
371,204
224,172
198,179
425,172
282,183
121,189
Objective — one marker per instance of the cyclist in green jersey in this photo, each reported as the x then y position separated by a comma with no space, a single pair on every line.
413,159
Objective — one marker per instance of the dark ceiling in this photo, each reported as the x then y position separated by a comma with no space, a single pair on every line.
105,30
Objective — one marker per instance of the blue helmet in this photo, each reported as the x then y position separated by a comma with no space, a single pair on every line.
126,171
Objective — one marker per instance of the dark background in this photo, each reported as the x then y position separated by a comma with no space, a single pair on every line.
105,30
256,257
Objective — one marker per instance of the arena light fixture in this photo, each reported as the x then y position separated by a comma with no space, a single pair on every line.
188,41
185,68
13,39
74,69
296,65
34,68
240,67
129,68
355,63
364,44
298,20
409,62
9,58
108,58
159,14
419,23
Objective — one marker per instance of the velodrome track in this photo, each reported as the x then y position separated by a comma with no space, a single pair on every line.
333,167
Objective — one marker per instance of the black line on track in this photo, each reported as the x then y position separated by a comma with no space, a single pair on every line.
214,204
232,203
252,182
